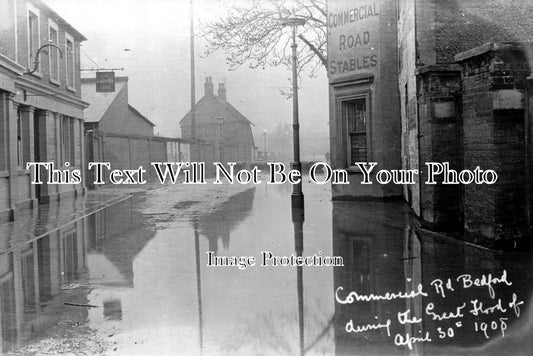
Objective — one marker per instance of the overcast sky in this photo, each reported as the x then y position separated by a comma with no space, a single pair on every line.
150,39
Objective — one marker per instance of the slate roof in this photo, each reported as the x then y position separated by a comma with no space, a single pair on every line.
223,104
140,115
100,102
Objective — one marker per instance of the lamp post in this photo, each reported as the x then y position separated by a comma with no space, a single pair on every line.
297,196
265,156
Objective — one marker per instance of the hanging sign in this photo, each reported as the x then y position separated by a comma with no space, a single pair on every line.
105,82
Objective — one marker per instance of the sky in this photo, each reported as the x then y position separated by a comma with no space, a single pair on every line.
150,40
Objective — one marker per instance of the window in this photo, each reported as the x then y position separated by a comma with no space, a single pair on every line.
70,256
23,139
53,53
357,117
69,61
28,278
20,152
33,36
72,157
67,140
3,132
8,321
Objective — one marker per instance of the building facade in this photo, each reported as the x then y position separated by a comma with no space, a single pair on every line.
41,111
429,81
365,121
464,101
118,133
222,126
112,112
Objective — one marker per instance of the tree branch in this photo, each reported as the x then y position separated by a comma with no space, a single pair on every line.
315,50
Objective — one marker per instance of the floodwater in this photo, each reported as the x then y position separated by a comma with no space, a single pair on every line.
147,290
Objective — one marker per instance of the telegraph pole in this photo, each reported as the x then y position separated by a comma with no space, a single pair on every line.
193,79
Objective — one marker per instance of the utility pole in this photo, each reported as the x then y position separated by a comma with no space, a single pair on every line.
193,79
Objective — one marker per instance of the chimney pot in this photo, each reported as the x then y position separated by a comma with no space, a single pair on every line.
222,91
208,87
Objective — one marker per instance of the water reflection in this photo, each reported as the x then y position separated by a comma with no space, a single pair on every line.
298,217
217,224
378,260
38,276
154,293
32,274
115,236
214,226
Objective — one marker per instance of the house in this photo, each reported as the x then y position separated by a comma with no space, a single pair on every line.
111,112
41,110
118,133
218,123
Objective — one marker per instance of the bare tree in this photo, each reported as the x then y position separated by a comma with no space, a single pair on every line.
252,32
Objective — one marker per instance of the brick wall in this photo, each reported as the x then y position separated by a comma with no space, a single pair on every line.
464,24
439,141
494,138
129,152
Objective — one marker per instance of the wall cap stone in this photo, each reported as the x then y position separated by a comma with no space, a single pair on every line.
492,47
437,68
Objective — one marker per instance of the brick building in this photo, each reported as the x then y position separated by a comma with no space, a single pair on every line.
464,101
219,124
436,81
41,111
364,105
111,112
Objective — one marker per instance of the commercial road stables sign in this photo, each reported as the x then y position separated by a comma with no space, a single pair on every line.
105,82
353,37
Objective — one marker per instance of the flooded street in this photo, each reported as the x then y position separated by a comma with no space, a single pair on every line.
132,280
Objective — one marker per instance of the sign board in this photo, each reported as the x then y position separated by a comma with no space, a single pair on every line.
105,82
353,37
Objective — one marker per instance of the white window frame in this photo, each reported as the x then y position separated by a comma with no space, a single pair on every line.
35,12
53,25
71,39
351,93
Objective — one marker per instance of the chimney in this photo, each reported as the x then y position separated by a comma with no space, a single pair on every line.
208,87
222,91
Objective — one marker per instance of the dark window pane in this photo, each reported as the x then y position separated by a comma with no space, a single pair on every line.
356,117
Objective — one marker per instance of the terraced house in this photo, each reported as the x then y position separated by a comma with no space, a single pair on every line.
41,111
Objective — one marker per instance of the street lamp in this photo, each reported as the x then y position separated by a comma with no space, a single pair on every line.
297,196
265,156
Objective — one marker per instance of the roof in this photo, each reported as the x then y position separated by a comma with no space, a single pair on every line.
140,115
235,111
222,103
100,102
